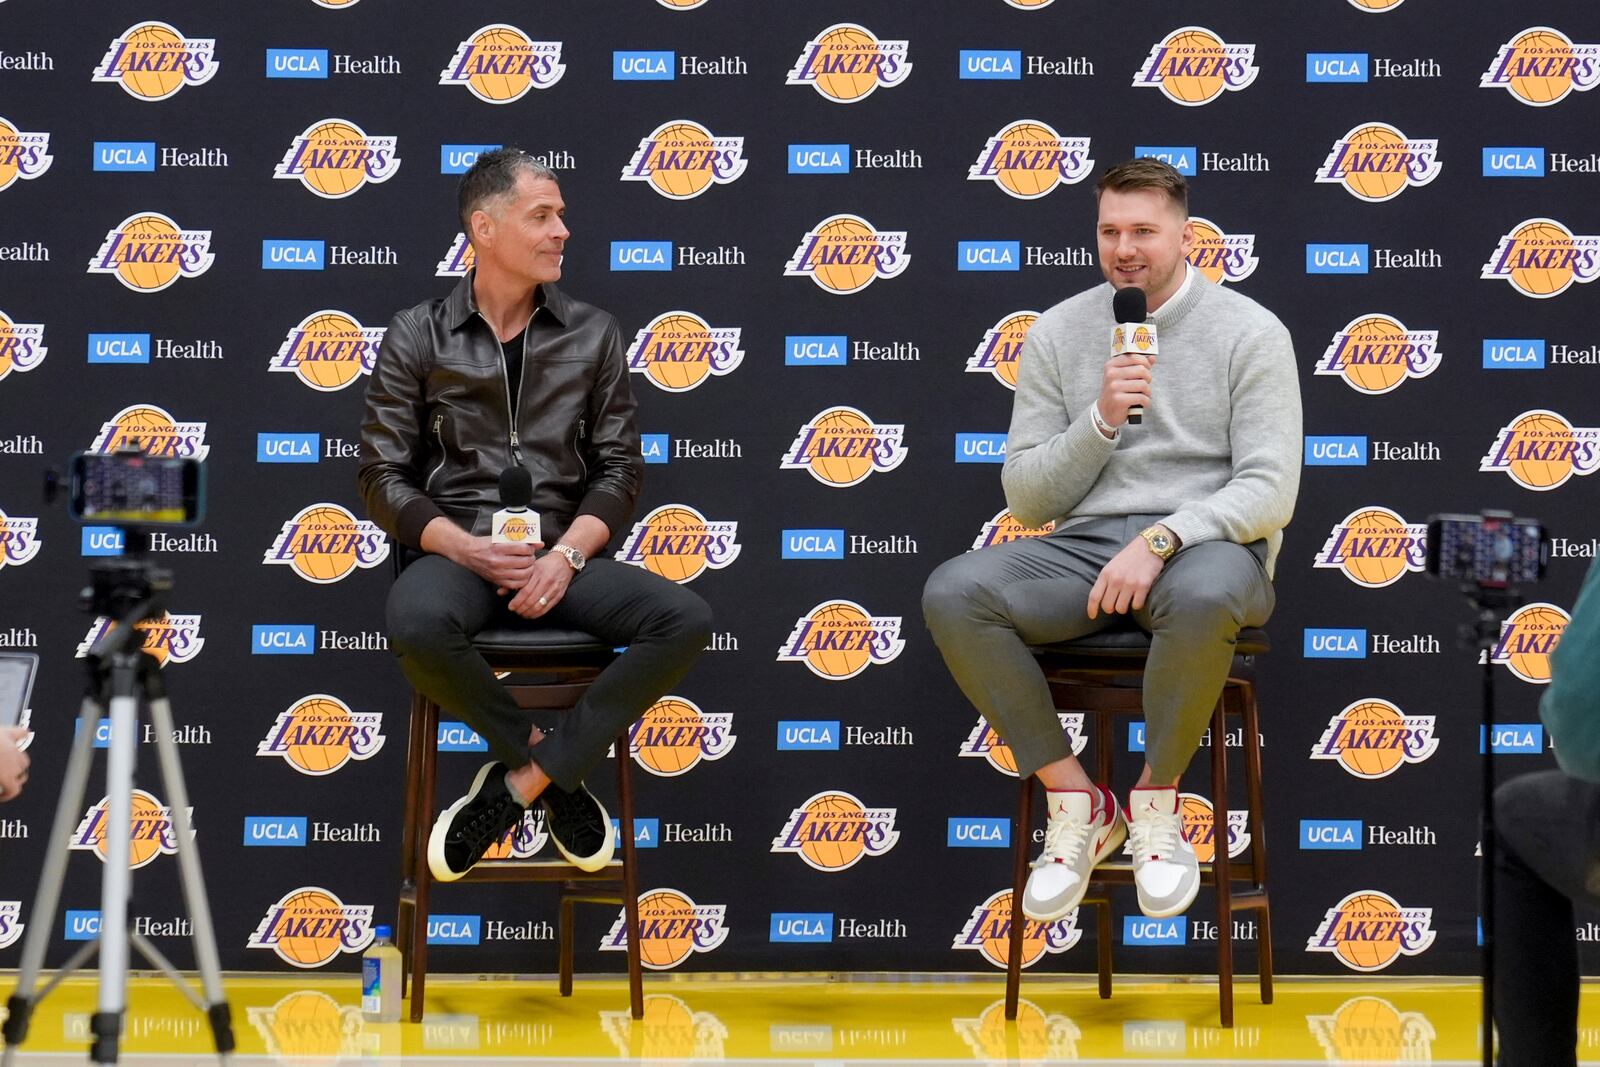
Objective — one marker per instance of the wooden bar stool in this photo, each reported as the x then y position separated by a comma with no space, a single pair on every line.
560,664
1101,675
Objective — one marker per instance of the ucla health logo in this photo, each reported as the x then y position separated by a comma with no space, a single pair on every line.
1221,256
672,927
1193,66
147,252
1375,353
325,543
679,350
988,932
168,638
680,544
21,346
499,64
847,63
841,446
845,254
328,350
335,158
1541,258
674,736
23,156
838,639
19,539
458,261
1541,450
833,831
152,60
310,926
1369,930
152,431
1372,738
11,924
984,743
151,833
1542,66
1376,162
682,159
1000,351
1374,546
319,734
1526,640
1027,159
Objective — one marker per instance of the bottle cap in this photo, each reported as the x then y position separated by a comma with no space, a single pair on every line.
383,932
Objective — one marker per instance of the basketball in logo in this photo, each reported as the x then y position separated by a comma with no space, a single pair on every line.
1376,353
1376,7
679,351
1375,547
1541,450
150,830
310,926
988,932
152,60
1371,738
1542,66
841,446
847,63
1376,162
318,734
1030,5
838,639
1369,930
844,254
681,5
1028,159
324,544
19,539
336,4
1032,1036
499,64
1371,1030
682,159
680,544
148,252
22,345
1541,258
1197,815
1000,351
1220,256
1193,66
1004,528
23,156
335,157
153,431
833,831
985,741
1526,640
674,735
672,927
328,350
308,1026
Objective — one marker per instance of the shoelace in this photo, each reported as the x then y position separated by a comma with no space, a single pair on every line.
573,811
1063,841
1155,838
481,824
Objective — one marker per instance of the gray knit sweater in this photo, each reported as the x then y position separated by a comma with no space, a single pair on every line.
1219,451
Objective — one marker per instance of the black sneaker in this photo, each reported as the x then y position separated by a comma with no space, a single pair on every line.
465,830
579,826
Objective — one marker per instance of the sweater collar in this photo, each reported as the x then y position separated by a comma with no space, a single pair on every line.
1188,296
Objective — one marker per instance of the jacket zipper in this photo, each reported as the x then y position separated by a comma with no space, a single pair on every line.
513,405
577,447
438,435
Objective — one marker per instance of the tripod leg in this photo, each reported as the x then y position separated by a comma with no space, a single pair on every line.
48,897
194,888
116,879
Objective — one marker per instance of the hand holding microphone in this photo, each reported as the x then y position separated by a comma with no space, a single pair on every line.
1125,386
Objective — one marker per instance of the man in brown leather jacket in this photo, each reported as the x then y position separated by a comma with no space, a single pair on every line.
508,371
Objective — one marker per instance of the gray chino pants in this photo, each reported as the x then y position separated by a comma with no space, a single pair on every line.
985,608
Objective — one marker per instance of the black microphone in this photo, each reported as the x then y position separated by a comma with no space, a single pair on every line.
516,487
514,523
1129,307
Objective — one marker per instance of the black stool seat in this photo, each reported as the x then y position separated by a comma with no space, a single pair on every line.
1132,641
534,640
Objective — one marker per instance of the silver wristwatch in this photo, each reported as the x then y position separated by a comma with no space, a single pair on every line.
573,557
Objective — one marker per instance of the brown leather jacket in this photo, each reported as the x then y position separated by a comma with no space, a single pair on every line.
438,428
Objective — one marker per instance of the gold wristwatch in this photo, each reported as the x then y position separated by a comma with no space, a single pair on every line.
1160,541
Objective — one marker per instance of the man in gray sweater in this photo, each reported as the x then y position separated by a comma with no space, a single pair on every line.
1173,523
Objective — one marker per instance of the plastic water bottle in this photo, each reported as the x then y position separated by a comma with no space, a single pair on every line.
380,980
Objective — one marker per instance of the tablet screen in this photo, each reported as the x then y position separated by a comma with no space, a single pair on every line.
16,683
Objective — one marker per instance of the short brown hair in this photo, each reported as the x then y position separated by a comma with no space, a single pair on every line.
492,180
1146,173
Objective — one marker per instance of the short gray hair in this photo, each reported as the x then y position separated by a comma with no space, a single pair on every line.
492,179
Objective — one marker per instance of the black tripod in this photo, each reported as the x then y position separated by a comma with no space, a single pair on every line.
129,590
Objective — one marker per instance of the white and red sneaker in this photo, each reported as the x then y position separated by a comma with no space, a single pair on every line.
1165,870
1083,829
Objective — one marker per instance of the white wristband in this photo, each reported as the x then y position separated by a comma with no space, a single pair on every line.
1106,430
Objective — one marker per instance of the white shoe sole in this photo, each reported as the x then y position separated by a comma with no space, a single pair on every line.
1172,909
441,829
599,859
1119,834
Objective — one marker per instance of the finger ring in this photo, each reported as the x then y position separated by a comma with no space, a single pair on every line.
543,601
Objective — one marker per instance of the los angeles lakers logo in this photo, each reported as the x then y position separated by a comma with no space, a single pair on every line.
458,261
988,932
682,159
1193,66
148,252
680,5
1375,353
1542,66
336,5
150,830
674,735
1372,738
1526,640
841,446
1376,7
19,539
680,544
844,254
669,1030
1030,5
1033,1036
335,158
22,346
1004,527
672,927
847,63
1374,547
153,431
833,831
23,156
1369,930
983,742
839,639
1541,450
1376,162
310,926
1197,815
1000,351
524,840
152,61
11,924
168,638
1541,258
1027,159
679,350
328,350
1372,1030
309,1026
319,734
324,544
1221,256
499,64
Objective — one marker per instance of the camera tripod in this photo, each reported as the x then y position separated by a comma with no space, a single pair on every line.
128,590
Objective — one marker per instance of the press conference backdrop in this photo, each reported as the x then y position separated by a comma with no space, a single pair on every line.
826,229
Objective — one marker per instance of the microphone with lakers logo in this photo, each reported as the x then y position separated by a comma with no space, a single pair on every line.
1132,335
515,523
